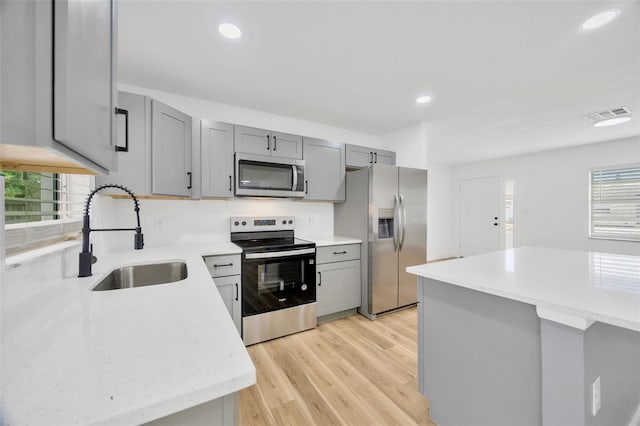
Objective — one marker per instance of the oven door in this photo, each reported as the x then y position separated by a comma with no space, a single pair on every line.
264,176
277,280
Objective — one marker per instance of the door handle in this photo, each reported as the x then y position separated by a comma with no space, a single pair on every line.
229,183
275,143
124,148
268,145
376,155
237,291
319,279
403,212
190,179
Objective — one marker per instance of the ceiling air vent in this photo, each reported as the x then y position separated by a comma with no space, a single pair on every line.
605,115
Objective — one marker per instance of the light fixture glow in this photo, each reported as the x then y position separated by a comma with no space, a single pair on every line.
612,121
229,30
423,99
600,19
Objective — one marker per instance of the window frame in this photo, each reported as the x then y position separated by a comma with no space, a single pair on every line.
590,234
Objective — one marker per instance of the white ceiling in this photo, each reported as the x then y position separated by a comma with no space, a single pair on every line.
506,77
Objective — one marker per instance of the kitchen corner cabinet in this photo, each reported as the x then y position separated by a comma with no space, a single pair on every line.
216,153
156,143
338,278
58,84
361,156
251,140
324,170
225,271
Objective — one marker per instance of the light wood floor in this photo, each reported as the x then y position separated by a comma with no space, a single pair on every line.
350,371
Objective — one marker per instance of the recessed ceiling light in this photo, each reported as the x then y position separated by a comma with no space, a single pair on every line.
600,19
423,99
229,30
612,121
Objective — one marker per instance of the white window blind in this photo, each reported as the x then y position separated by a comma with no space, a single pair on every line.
615,204
41,208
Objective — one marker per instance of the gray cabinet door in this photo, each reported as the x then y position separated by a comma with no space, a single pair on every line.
217,158
286,145
252,141
230,289
384,157
338,286
324,170
170,151
83,79
358,156
134,165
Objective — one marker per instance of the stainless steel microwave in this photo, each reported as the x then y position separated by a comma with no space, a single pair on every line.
266,176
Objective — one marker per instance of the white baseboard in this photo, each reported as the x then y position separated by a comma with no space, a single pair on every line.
635,420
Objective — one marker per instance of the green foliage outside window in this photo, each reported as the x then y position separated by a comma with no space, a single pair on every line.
29,196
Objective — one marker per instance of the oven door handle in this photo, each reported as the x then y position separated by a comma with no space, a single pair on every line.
270,255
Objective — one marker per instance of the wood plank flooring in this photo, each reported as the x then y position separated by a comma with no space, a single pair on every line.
350,371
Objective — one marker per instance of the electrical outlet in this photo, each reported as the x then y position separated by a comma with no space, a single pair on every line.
595,396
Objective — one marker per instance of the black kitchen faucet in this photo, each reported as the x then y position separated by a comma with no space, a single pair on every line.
86,256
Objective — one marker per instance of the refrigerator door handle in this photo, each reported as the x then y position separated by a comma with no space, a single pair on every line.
396,225
403,223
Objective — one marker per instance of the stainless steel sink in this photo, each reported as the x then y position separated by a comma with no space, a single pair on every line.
143,275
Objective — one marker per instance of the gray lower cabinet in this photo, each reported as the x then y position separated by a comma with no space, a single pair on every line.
362,156
58,83
225,270
324,170
251,140
216,153
156,148
338,281
230,289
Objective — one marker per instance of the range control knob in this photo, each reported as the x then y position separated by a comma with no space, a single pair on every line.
244,222
236,223
290,222
284,222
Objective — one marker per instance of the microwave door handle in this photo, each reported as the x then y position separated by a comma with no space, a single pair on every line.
295,177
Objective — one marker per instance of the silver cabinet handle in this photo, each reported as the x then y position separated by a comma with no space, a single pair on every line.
215,265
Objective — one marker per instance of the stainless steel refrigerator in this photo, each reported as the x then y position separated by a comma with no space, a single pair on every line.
386,208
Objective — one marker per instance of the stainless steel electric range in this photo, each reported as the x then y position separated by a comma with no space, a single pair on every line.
278,278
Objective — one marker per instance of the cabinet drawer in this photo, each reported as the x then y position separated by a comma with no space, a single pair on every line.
222,266
337,253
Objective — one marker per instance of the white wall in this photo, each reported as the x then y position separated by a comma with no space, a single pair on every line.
551,193
203,109
167,222
409,144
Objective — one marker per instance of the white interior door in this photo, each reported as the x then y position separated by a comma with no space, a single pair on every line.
480,216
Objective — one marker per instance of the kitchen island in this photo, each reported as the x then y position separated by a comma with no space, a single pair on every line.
531,336
168,353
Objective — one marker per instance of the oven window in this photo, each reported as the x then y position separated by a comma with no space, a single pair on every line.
259,175
273,284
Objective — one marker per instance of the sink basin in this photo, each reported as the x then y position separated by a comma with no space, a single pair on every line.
143,275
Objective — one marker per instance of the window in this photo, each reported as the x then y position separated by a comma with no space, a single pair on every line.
615,204
41,208
508,214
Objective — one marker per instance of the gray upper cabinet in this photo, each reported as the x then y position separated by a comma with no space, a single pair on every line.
361,156
157,160
251,140
170,151
324,170
58,79
216,148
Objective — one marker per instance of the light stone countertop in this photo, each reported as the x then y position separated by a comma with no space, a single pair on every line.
329,240
571,287
73,356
